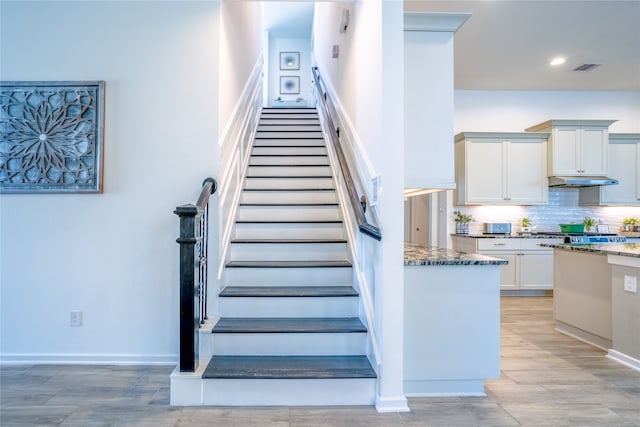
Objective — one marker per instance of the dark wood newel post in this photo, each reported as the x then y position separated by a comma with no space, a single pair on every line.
189,292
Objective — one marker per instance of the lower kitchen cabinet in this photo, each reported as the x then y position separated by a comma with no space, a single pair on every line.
530,266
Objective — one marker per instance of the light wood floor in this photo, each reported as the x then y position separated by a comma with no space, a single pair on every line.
547,379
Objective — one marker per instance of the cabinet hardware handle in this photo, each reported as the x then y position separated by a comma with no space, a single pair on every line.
499,244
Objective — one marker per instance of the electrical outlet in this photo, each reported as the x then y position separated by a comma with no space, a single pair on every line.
630,284
75,318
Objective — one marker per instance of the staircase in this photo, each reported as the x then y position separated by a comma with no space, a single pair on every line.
289,331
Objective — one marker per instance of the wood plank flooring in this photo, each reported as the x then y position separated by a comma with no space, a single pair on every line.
548,379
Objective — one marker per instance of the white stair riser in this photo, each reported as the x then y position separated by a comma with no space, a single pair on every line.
288,251
290,231
285,117
289,135
289,344
286,111
308,392
330,276
288,171
290,121
319,151
289,160
288,141
289,307
288,213
303,127
288,197
276,183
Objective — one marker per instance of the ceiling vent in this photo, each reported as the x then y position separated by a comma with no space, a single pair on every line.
586,67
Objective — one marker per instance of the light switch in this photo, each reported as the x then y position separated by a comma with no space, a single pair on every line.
630,283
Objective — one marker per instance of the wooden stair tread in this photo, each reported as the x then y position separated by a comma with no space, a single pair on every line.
290,146
289,367
275,325
289,264
289,241
288,291
288,221
293,137
287,165
290,204
290,176
289,155
288,189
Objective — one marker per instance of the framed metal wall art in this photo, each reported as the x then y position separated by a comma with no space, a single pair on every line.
289,85
289,60
51,137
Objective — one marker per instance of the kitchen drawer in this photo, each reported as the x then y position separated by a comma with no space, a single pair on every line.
534,244
498,244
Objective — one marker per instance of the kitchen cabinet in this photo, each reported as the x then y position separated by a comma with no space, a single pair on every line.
576,147
530,266
501,168
624,165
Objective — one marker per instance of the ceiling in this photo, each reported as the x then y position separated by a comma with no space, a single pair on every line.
508,44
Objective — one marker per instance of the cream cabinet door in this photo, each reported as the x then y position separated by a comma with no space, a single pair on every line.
536,270
623,166
594,147
527,172
485,171
566,152
508,272
579,151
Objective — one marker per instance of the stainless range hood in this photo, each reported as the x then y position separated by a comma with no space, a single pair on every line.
581,181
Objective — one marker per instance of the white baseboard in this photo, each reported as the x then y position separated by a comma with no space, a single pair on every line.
392,404
444,388
624,359
87,359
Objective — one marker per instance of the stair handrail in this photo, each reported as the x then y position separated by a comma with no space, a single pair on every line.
193,241
358,204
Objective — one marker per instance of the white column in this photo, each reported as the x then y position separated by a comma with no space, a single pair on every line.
428,88
390,290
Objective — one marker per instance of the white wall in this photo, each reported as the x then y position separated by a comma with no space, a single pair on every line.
301,45
111,255
367,80
240,46
514,111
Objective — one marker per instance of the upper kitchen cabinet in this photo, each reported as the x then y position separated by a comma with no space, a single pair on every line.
501,168
624,165
576,147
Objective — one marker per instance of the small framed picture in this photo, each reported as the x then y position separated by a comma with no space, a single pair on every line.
289,60
289,85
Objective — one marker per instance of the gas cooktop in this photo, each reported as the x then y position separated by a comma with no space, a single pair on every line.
561,234
591,239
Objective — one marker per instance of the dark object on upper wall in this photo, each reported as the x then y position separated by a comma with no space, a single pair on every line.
51,137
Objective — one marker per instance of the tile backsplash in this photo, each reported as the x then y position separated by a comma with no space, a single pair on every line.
562,208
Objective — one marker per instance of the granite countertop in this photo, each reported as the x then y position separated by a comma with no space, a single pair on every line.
509,236
415,254
624,249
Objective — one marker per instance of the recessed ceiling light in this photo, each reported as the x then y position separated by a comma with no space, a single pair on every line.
558,60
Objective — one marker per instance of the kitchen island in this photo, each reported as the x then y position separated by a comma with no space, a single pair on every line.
595,299
451,321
